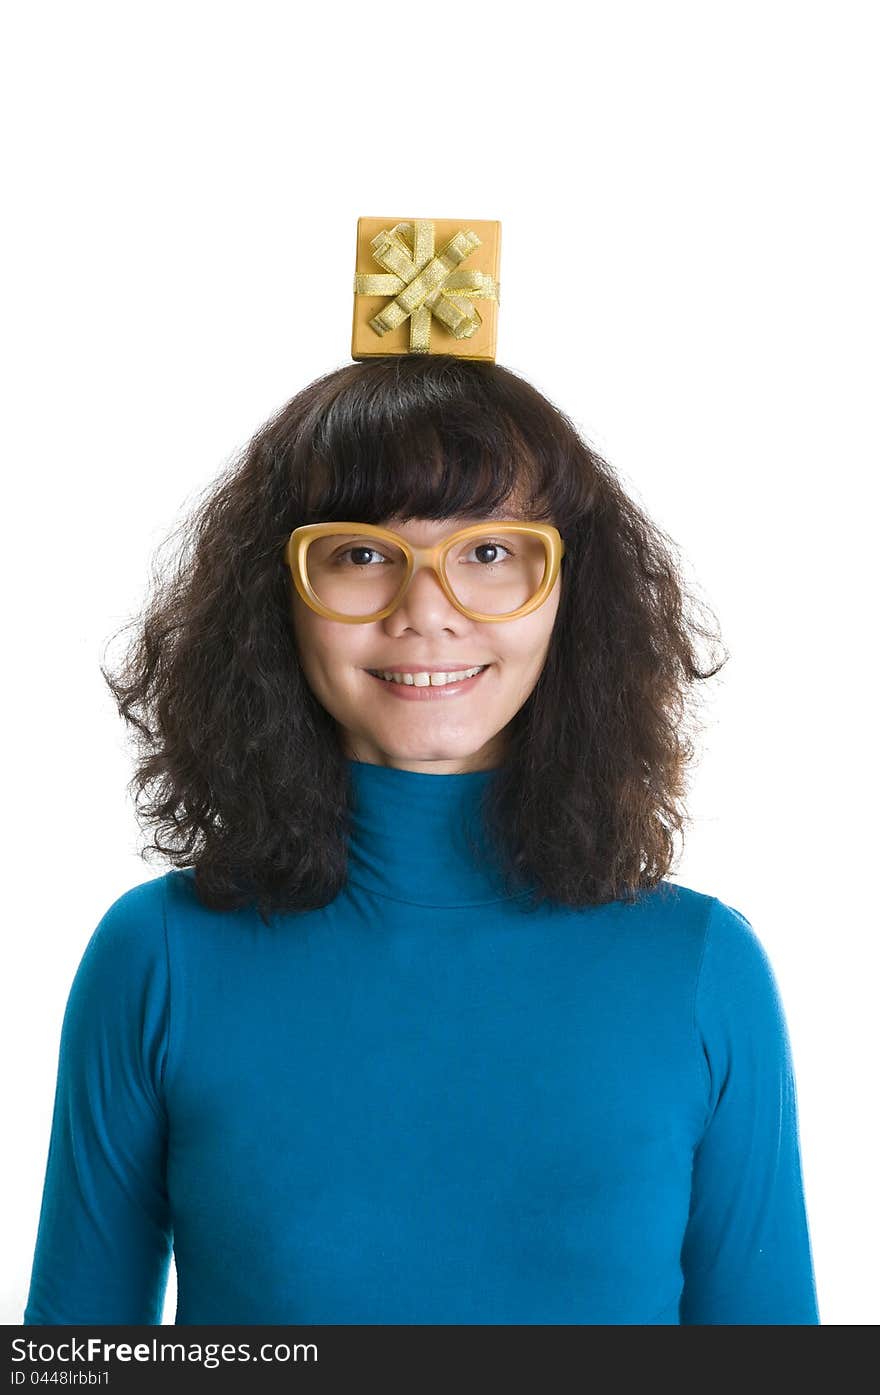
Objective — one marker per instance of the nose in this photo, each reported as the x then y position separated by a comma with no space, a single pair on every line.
425,589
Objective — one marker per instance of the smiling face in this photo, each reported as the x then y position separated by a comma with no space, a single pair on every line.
440,731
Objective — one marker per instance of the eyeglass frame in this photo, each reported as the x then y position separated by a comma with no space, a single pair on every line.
433,557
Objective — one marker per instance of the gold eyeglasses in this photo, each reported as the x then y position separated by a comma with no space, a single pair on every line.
514,580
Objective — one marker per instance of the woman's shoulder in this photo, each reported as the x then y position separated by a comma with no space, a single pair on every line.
676,903
143,919
673,910
122,974
130,930
147,903
714,935
735,976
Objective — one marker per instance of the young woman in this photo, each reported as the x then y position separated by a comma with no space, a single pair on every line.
416,1029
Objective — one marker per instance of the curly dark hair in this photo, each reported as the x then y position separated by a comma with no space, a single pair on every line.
244,770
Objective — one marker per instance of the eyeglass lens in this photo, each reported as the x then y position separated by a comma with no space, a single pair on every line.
495,574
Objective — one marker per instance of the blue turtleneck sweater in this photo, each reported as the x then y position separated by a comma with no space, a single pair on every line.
424,1104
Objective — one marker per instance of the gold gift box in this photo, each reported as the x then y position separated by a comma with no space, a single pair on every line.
439,282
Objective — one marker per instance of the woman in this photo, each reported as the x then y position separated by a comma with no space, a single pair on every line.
416,1030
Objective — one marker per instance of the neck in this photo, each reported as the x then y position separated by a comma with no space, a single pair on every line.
410,832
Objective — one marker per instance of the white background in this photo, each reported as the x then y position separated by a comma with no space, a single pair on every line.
689,269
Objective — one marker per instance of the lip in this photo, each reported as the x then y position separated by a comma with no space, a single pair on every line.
410,693
426,668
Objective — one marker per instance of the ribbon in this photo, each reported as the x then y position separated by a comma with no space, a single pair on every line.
424,284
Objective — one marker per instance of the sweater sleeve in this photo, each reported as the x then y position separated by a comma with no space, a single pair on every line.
104,1237
746,1256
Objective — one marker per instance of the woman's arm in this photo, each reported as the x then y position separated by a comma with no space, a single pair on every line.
746,1256
104,1240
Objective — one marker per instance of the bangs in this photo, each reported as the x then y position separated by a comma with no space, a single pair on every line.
430,438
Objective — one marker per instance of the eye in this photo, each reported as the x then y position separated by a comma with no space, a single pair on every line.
488,545
360,547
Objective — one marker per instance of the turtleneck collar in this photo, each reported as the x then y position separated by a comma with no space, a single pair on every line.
408,837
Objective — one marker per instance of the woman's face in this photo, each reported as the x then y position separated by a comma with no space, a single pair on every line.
449,732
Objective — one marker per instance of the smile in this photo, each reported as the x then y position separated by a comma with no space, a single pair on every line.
421,686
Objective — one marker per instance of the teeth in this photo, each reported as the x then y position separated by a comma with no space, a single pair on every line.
423,680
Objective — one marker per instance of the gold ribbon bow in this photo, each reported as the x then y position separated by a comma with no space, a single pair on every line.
424,284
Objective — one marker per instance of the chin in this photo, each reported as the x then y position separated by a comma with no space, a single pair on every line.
428,750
